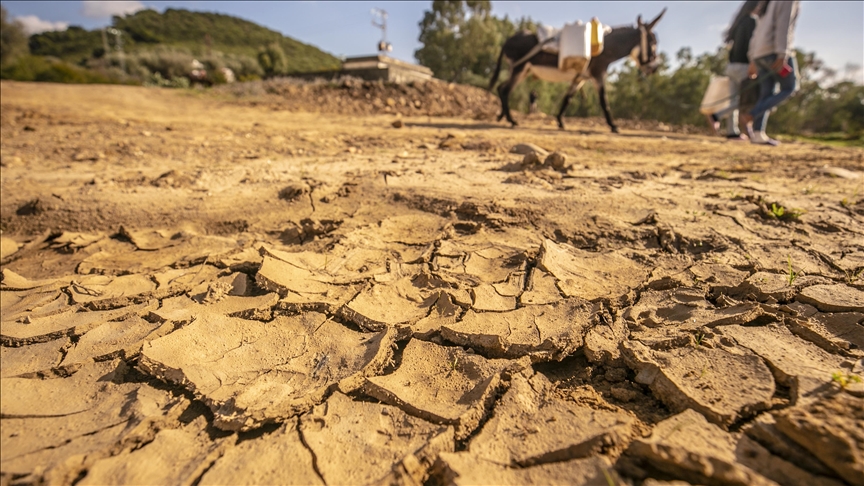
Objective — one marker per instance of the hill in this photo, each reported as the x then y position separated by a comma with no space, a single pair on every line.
185,29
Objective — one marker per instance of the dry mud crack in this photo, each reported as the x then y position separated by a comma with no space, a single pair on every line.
234,292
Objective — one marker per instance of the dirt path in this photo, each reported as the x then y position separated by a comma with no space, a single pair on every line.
212,285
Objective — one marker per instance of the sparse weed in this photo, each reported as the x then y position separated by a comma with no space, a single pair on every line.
809,189
792,275
844,378
704,371
454,363
780,212
700,336
723,174
696,214
852,276
734,194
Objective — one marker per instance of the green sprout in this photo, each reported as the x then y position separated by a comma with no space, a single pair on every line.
844,378
792,275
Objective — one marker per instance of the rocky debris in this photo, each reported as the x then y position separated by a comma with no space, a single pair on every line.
763,430
831,429
686,446
725,383
720,278
93,288
764,286
17,306
120,339
397,124
262,461
185,278
530,160
65,324
251,373
444,312
182,309
293,191
839,172
175,456
544,332
530,427
603,341
149,240
84,417
388,305
556,161
838,333
590,275
13,281
443,385
541,289
833,298
8,246
529,148
32,358
189,250
683,308
380,436
804,368
460,468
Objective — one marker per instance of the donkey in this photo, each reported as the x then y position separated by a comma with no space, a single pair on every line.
525,57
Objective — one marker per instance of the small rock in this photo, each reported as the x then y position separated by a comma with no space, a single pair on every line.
146,133
832,171
556,161
833,298
397,124
8,246
526,148
391,102
531,159
28,128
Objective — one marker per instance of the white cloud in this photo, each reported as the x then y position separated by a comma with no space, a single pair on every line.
34,25
104,9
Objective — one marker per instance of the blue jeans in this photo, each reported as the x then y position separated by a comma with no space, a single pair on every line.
769,96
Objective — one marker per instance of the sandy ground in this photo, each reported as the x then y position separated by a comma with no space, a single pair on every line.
201,290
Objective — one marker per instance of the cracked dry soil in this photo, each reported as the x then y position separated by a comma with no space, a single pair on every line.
198,291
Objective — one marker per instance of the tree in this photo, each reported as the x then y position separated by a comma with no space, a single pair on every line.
461,39
13,39
272,59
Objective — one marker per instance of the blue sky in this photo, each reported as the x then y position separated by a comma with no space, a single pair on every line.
833,29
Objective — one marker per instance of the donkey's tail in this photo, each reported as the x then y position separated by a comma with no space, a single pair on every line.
497,70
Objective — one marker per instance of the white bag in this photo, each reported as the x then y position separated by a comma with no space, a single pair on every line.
574,47
717,96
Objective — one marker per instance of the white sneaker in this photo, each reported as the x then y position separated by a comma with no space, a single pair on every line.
761,138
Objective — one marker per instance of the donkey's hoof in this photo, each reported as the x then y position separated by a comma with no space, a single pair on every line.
500,117
513,124
615,130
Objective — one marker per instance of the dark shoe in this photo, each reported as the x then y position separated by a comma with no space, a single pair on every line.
737,138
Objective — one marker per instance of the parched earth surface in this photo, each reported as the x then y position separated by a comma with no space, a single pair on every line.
209,289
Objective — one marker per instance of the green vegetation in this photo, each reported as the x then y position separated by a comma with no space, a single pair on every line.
792,274
844,378
782,213
157,49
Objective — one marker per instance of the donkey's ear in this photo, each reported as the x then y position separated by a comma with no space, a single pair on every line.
639,20
654,22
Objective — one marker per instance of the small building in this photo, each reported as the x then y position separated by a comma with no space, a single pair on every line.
374,68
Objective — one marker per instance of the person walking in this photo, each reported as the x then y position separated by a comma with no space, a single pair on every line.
532,99
739,33
773,63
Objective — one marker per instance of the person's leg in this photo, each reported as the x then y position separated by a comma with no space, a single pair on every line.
787,85
767,87
737,73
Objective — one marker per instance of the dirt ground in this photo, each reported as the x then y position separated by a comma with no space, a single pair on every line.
230,288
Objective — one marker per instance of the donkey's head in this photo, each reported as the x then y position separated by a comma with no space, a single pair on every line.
645,53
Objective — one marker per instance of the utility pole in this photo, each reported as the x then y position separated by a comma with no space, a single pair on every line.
383,46
104,42
118,45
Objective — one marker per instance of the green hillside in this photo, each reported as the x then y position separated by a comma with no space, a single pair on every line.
183,29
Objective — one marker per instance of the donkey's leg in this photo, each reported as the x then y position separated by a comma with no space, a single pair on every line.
517,76
601,93
574,87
